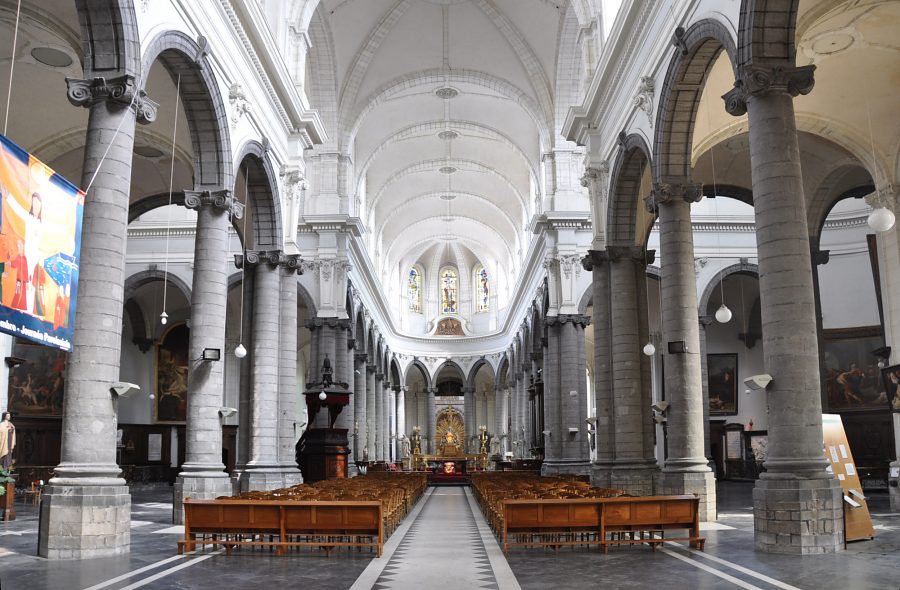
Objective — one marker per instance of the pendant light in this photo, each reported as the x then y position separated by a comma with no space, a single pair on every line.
881,219
164,317
649,349
723,314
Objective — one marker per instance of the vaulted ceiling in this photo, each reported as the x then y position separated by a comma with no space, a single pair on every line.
446,107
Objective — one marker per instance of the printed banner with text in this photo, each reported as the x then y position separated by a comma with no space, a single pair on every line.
40,241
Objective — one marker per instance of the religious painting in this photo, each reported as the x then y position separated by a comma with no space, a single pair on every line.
722,383
852,379
482,290
40,241
36,386
891,378
171,375
449,291
414,290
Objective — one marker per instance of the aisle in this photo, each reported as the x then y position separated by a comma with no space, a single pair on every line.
447,545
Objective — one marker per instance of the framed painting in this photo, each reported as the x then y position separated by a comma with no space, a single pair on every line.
851,378
891,378
722,383
171,375
36,385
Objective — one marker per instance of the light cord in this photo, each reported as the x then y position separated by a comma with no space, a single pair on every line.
12,65
171,182
244,248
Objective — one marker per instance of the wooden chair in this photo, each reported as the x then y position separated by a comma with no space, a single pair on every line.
34,492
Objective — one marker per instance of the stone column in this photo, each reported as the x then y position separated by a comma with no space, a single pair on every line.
400,428
499,423
203,474
246,383
315,365
484,411
686,470
431,419
287,374
634,469
514,444
795,467
263,470
342,370
386,420
379,417
704,321
360,406
597,262
371,412
469,416
564,394
86,507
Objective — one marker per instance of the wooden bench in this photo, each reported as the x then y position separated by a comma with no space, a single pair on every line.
586,521
234,523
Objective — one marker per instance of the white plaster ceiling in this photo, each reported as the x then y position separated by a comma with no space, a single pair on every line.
390,57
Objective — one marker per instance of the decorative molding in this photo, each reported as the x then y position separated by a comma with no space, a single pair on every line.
886,196
700,264
644,98
240,106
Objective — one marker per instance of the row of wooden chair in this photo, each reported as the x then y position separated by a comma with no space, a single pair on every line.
397,492
492,488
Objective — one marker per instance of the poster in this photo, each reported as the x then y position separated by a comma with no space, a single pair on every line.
40,243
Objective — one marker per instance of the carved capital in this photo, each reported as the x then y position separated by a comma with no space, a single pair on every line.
370,369
274,258
595,174
632,253
361,357
576,319
756,79
669,192
220,199
886,196
120,90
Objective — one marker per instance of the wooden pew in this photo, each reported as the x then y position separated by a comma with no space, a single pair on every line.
586,521
233,523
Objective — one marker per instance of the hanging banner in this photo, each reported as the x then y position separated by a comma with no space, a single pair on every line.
40,242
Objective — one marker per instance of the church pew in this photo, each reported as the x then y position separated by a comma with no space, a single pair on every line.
234,523
587,521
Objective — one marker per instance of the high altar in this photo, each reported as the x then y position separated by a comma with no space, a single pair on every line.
451,456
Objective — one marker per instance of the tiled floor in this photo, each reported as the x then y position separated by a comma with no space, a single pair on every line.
445,543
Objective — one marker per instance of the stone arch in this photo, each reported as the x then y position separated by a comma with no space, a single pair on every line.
203,105
473,372
586,299
145,277
448,363
322,73
569,69
698,48
624,192
110,38
766,31
829,193
741,268
426,376
502,374
262,190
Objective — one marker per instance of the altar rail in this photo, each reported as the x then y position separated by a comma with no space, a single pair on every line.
586,521
235,523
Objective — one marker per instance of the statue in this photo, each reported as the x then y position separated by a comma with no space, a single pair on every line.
406,447
327,372
7,441
483,439
417,440
495,446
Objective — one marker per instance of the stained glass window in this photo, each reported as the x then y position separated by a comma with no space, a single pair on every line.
449,289
482,290
414,290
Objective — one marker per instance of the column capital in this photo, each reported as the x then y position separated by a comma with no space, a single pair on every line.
598,172
221,199
379,376
576,319
313,323
468,390
755,79
120,90
433,390
273,258
886,196
673,190
705,320
351,343
370,368
361,357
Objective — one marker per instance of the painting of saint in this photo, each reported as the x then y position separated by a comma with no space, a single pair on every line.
36,386
722,382
171,375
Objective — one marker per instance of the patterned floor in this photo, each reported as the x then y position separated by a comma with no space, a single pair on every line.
443,548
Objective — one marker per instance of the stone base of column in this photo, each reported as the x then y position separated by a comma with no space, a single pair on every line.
894,487
601,475
198,488
798,516
635,479
291,476
702,483
566,466
84,522
261,479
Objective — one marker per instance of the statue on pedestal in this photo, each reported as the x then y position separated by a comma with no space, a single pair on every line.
7,441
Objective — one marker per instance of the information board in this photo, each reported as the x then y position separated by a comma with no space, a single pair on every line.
857,521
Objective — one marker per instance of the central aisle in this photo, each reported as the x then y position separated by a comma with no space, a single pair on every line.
447,545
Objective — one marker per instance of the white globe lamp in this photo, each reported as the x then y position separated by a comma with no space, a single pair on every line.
881,219
723,314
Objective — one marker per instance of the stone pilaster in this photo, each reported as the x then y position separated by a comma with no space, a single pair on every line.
565,391
343,373
371,412
387,397
246,383
499,422
263,470
360,406
203,474
287,374
400,421
597,262
431,418
795,468
86,507
686,470
704,321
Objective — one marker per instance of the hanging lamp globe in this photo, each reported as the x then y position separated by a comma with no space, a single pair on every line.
881,219
649,349
240,351
164,318
723,314
322,396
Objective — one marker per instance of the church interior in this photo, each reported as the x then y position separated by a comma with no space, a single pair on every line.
510,294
